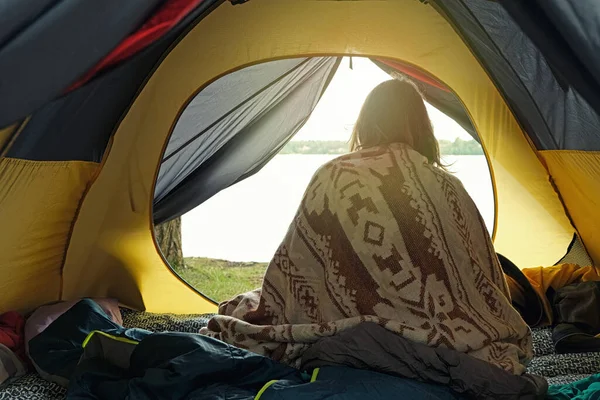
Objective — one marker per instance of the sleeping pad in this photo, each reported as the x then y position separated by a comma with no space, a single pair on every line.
98,359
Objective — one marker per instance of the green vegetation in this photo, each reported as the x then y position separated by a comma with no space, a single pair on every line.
315,147
458,147
222,280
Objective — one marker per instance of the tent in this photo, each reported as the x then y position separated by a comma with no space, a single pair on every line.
117,114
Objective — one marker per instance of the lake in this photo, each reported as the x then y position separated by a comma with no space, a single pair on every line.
247,221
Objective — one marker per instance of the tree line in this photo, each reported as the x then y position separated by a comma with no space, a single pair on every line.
447,147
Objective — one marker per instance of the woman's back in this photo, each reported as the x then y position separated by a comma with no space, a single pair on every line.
381,235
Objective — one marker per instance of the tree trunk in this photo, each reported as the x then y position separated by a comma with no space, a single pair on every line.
168,237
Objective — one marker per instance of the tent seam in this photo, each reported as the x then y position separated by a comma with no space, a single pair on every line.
86,190
13,137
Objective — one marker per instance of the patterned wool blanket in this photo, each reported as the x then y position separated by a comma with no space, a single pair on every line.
383,236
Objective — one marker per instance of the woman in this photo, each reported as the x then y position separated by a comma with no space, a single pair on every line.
383,234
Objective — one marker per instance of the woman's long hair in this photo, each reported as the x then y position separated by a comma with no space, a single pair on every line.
394,112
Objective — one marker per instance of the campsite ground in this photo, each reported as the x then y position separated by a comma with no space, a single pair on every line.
220,279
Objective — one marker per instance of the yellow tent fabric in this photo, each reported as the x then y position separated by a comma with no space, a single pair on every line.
9,133
112,251
577,176
6,134
556,277
38,201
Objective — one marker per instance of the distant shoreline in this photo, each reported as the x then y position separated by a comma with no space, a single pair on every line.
329,147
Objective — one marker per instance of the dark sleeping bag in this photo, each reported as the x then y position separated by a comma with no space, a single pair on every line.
178,366
576,309
99,359
56,351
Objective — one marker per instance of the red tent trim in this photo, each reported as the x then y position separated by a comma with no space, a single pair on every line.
415,73
167,16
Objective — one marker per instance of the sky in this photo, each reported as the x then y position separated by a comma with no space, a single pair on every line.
335,114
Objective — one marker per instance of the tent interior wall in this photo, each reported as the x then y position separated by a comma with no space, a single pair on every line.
90,232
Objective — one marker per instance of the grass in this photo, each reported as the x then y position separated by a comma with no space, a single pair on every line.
221,280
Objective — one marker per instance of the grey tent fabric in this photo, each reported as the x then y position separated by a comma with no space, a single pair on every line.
48,45
553,114
234,126
14,16
78,125
566,32
573,124
512,89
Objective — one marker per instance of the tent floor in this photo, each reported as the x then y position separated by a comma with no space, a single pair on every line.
557,368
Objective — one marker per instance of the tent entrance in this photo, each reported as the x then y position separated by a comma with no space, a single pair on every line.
287,118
